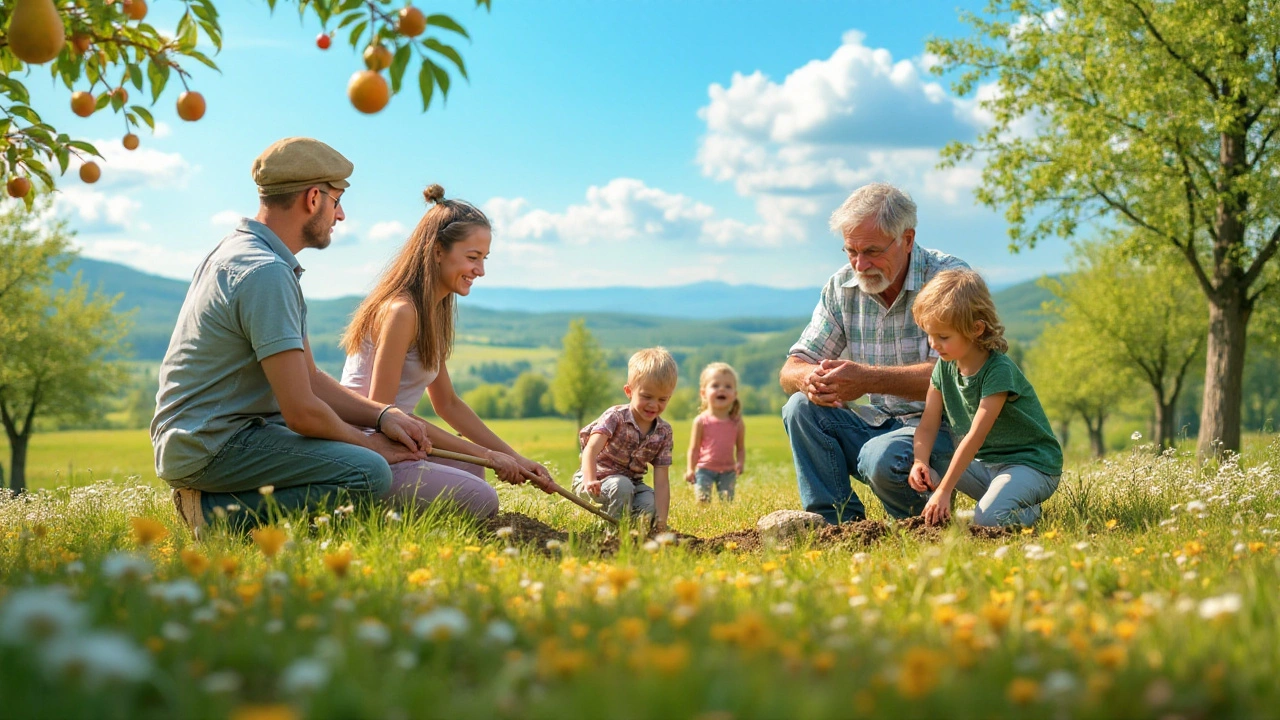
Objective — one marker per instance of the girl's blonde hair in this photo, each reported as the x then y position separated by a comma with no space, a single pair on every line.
959,299
704,379
413,276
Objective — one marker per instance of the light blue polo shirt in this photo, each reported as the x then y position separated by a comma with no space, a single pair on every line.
244,304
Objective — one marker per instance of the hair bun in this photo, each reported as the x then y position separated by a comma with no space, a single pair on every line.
434,193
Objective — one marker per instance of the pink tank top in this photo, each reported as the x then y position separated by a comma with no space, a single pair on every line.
719,438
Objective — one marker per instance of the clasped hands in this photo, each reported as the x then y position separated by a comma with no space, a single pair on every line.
834,382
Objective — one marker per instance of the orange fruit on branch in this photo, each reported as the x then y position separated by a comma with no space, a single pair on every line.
36,34
130,142
90,172
18,187
412,22
368,91
135,9
191,106
83,103
377,57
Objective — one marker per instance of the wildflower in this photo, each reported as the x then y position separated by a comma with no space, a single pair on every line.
1137,435
228,565
687,591
918,674
731,545
175,632
405,659
667,659
553,545
269,540
620,578
195,561
500,632
1059,683
651,546
824,661
1111,656
338,562
393,516
147,530
631,628
125,566
505,532
511,551
304,675
179,592
1022,691
248,592
419,577
372,632
221,682
264,712
40,614
665,538
440,624
1000,552
1196,506
266,490
1215,607
1112,523
98,658
784,608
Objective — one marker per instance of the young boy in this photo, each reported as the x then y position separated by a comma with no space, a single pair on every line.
620,445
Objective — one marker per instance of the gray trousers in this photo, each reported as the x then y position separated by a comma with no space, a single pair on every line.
1006,494
306,473
619,494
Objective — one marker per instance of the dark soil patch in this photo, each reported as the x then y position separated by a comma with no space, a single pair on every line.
527,530
863,532
738,541
984,532
921,530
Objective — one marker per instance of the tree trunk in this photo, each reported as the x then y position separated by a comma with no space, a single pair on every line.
1096,439
1064,432
18,462
1224,374
1166,415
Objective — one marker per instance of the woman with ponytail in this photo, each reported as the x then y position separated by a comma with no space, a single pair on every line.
399,340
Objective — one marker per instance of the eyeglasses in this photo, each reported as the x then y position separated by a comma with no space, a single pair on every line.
336,200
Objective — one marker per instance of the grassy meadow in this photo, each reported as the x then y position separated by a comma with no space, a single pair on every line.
1149,590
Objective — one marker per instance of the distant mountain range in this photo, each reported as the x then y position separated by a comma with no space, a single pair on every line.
707,313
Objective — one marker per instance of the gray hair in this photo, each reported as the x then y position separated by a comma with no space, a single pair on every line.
893,209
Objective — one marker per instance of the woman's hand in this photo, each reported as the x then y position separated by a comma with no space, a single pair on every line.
507,468
938,510
408,430
536,474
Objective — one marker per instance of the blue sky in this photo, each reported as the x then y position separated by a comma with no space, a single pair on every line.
613,142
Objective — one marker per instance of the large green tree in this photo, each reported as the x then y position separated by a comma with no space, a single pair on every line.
55,347
1161,115
1144,317
581,384
99,50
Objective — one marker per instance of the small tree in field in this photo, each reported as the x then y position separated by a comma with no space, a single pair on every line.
528,395
1071,381
582,378
1147,317
54,347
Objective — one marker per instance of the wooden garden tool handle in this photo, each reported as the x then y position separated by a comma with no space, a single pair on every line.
555,487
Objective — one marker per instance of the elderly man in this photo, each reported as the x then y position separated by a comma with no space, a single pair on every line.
862,342
241,404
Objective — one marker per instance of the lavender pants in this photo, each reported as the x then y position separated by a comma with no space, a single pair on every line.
423,482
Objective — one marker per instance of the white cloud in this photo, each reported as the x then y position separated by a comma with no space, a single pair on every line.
132,168
226,220
92,211
386,230
150,258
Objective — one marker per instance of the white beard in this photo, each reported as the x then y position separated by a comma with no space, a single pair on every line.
872,283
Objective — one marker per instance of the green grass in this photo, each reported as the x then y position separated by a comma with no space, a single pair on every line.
1148,591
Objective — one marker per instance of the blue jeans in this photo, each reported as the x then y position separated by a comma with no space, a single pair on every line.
830,445
305,472
724,483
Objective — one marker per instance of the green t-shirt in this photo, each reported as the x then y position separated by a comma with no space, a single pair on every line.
1021,434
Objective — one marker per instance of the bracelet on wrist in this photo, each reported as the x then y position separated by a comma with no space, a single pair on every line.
377,424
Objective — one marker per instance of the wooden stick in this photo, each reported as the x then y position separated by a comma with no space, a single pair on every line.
555,487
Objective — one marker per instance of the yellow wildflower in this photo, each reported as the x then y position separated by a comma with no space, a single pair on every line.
248,592
579,630
731,545
419,577
824,661
1112,656
1112,523
687,592
338,562
228,565
1125,630
620,578
631,628
264,712
147,531
269,540
919,673
195,561
667,659
1023,691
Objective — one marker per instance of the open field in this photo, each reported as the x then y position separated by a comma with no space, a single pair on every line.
1148,590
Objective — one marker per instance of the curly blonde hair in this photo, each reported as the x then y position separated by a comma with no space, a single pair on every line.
708,374
959,299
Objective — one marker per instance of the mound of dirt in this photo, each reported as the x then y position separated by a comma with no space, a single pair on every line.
738,541
983,532
864,532
921,530
526,530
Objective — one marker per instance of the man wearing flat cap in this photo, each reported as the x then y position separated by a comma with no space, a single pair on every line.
242,405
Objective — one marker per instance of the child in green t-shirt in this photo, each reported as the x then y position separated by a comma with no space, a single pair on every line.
1008,458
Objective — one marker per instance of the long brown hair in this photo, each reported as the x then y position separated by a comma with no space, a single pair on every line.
413,276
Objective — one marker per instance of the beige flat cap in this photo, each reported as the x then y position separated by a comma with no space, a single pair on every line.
297,163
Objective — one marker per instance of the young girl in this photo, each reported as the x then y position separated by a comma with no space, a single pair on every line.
397,344
718,435
1009,459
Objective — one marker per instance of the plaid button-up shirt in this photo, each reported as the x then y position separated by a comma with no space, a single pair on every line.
850,324
628,451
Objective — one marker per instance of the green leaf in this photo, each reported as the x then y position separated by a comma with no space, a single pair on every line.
103,100
25,113
199,56
398,64
448,52
426,83
448,23
84,146
37,168
357,31
15,90
64,157
135,74
442,77
348,19
187,36
158,74
91,71
145,115
116,101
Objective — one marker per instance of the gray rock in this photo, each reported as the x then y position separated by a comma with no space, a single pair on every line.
785,524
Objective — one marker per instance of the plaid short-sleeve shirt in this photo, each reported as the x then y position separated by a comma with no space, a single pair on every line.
628,451
850,324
